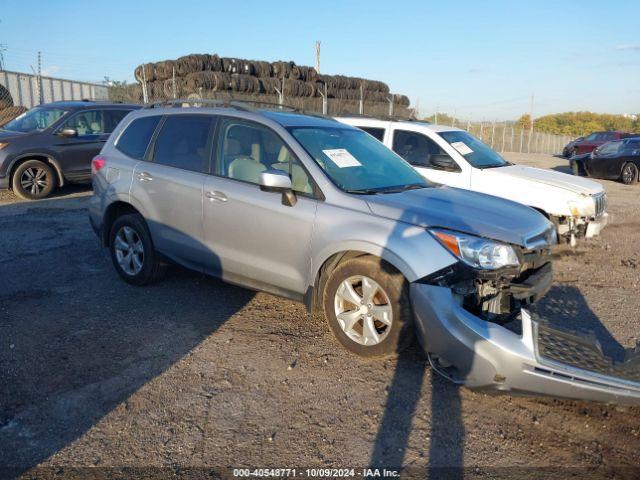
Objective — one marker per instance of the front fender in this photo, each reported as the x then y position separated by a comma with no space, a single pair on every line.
410,249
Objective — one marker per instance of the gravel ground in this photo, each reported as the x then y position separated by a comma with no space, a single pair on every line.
196,373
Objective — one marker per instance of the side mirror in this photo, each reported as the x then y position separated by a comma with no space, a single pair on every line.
443,162
68,132
278,181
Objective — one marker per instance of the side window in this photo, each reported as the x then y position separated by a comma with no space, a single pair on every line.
135,138
610,148
247,149
113,118
183,142
374,132
415,147
87,123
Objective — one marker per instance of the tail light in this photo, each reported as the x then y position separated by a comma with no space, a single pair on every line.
97,164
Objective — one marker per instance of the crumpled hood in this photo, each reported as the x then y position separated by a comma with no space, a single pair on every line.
579,185
464,211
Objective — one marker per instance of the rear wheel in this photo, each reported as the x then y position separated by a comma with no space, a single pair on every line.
629,174
132,252
366,304
33,180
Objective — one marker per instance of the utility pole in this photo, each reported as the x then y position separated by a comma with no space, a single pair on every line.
3,48
530,124
39,79
318,56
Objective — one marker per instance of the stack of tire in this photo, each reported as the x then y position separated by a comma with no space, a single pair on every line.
8,111
201,74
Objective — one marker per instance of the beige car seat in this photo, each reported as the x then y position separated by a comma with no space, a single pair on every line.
299,179
247,168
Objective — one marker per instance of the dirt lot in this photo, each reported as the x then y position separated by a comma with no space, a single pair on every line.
194,372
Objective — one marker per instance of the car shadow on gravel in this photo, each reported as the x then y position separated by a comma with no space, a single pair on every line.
565,307
77,342
447,433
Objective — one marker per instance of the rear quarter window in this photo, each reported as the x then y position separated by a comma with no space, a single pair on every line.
134,141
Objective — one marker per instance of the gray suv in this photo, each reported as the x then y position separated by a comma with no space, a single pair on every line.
317,211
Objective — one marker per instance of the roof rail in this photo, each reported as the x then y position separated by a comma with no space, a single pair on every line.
392,118
224,103
244,105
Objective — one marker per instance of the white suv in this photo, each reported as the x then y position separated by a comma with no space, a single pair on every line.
454,157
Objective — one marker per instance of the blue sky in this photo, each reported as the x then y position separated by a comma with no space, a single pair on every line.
479,59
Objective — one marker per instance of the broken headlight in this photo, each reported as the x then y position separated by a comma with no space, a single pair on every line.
477,252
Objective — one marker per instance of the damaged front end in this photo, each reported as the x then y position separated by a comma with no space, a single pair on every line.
460,313
586,221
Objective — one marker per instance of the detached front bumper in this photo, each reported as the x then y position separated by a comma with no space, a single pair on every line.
540,361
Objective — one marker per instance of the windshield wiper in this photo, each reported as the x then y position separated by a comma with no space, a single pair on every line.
395,189
403,188
364,191
495,166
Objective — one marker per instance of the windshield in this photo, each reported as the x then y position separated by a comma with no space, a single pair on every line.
473,150
34,119
356,162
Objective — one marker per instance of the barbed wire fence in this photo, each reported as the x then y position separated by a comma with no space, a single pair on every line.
22,91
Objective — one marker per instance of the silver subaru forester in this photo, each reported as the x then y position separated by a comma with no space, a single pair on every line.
310,209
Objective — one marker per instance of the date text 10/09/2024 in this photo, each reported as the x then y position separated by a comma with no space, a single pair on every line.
315,472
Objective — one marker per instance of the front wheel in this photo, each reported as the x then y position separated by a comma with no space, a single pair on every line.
132,251
366,304
33,180
629,174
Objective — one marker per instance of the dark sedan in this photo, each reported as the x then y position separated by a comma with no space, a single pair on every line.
619,160
587,144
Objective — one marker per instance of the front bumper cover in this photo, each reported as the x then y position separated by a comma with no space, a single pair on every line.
541,361
594,227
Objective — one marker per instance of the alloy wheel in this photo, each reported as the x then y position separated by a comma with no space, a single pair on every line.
363,310
34,180
129,250
628,173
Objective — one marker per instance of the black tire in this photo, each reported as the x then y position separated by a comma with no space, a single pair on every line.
629,174
575,168
33,180
152,268
398,335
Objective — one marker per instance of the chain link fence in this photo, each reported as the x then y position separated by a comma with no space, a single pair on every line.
22,91
508,137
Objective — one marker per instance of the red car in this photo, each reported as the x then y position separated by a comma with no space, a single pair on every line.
590,142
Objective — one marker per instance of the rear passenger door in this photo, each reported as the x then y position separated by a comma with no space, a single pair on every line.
257,241
169,184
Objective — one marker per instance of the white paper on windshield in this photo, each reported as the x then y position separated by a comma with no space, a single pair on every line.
342,158
462,148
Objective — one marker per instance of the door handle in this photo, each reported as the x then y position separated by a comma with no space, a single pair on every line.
145,177
216,196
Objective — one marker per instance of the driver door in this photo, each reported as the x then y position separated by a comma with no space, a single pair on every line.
426,156
256,239
75,153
